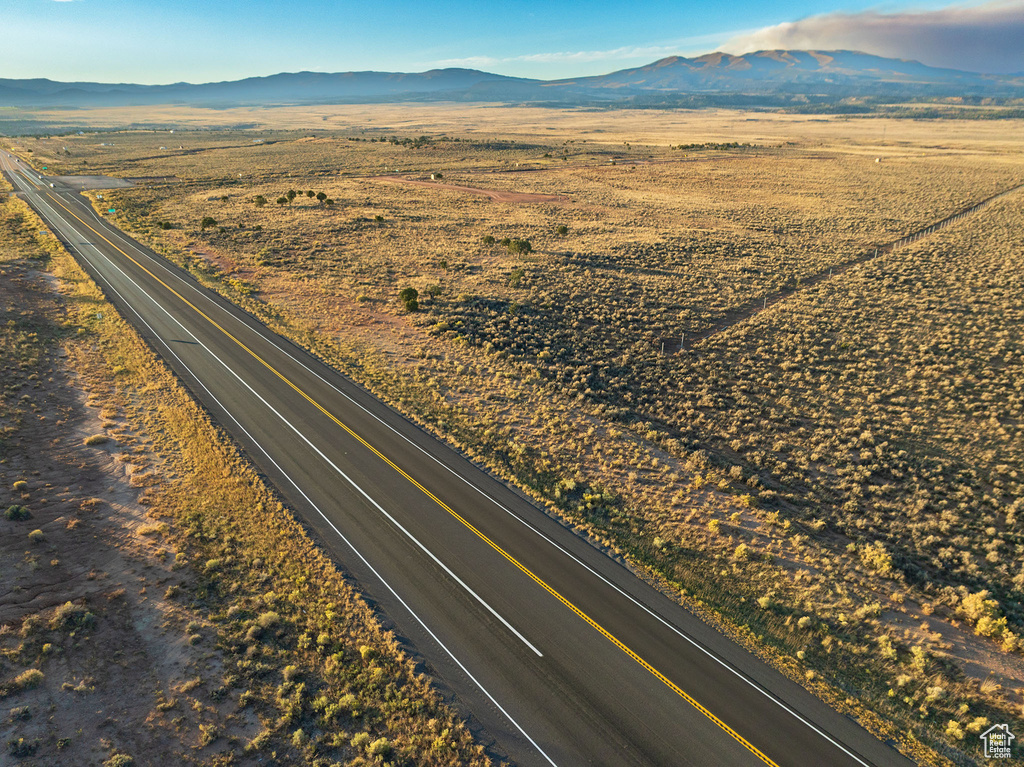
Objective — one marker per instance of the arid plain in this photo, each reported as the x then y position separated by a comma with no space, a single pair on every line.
695,336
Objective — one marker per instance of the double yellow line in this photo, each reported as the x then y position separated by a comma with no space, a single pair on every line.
529,573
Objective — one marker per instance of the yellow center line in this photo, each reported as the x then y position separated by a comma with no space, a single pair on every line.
533,576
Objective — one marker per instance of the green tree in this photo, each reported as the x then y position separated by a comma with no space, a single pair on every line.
408,297
321,196
519,247
260,200
292,194
282,200
310,193
206,222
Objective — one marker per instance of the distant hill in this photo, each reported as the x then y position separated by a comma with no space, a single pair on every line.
291,88
835,74
715,77
783,69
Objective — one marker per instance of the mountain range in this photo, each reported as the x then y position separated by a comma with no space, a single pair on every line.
775,74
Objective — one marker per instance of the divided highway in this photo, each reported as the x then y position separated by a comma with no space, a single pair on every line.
560,654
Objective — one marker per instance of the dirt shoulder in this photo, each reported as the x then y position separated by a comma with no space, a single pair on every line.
162,607
96,658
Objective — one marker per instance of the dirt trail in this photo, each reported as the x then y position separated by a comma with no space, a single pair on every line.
744,313
496,195
89,578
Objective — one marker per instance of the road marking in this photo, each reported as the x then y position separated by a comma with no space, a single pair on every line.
721,662
525,570
274,341
327,460
542,535
301,491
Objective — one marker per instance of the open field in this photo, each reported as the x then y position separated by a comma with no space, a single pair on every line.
162,607
836,479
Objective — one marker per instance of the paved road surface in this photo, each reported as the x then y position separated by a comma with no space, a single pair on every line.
561,655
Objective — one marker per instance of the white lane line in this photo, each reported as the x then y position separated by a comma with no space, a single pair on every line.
333,465
309,500
736,672
338,469
345,476
544,536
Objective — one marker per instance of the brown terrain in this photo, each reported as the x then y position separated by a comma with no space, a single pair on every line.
496,195
88,576
140,624
829,467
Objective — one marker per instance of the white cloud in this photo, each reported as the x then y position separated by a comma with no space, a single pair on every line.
640,53
977,38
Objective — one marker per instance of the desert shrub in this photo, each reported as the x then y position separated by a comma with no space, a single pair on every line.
408,297
519,247
70,616
21,748
28,679
268,619
17,513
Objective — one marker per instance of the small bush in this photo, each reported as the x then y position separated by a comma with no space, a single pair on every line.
359,740
70,616
20,485
17,513
118,760
97,439
37,536
380,747
19,747
519,247
28,679
409,297
268,619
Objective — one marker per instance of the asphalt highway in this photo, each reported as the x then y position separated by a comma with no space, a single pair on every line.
559,653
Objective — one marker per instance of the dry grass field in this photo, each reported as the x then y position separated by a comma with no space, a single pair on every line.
161,607
688,348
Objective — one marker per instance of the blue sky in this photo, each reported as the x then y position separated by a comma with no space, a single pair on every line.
161,41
